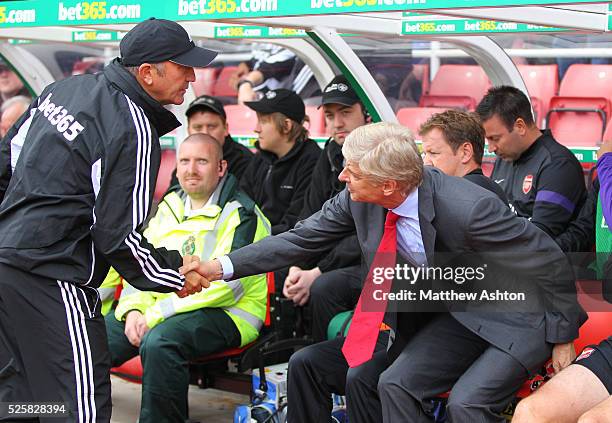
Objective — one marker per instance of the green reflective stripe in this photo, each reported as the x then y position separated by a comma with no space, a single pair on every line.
210,239
250,318
166,306
263,219
107,293
237,288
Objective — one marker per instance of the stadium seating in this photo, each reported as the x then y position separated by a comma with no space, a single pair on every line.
221,87
457,86
413,117
581,111
240,119
166,167
205,80
542,82
316,125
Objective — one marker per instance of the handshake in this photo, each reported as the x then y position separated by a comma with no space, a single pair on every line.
198,275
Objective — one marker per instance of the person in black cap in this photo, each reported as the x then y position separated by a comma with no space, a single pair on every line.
206,115
77,176
280,172
332,284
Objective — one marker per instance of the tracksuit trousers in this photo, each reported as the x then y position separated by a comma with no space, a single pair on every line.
53,348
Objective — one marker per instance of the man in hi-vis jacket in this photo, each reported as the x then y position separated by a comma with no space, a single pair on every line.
77,176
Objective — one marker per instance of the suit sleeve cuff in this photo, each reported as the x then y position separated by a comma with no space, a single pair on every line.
227,268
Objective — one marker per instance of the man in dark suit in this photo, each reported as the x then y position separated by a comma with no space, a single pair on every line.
484,357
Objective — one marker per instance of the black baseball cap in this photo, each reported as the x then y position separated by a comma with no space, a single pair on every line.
206,102
158,40
281,100
339,91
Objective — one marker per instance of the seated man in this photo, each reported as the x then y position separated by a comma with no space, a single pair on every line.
401,209
542,179
206,115
207,217
453,141
279,174
332,284
583,391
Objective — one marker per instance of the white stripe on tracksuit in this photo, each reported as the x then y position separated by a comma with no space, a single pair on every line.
81,353
140,204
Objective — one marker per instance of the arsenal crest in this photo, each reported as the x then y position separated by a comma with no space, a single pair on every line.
527,183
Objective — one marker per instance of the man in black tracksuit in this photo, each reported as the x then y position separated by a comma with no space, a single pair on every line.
77,175
542,179
280,172
333,283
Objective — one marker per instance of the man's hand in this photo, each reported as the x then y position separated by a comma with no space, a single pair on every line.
194,282
202,272
135,327
562,356
298,283
605,147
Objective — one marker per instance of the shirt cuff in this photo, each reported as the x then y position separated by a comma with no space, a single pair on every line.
227,268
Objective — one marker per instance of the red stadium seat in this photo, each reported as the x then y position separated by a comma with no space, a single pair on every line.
166,167
413,117
578,121
487,167
240,119
582,105
421,72
457,86
221,87
316,126
542,82
608,132
205,80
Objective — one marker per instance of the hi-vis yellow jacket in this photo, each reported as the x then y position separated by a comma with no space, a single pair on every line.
231,220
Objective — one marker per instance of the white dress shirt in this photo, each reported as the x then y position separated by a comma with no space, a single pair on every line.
409,240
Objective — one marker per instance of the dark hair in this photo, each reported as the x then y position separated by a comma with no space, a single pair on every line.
509,103
458,127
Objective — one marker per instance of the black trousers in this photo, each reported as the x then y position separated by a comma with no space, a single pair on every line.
333,292
317,371
53,347
444,355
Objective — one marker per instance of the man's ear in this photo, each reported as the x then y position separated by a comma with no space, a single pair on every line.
520,126
389,187
467,152
222,168
145,72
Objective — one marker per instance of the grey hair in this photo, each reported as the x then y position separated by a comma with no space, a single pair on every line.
134,69
18,99
385,151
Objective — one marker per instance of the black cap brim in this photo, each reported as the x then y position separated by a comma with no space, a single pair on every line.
197,57
210,107
338,100
261,107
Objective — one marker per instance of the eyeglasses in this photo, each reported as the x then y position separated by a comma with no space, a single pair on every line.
4,68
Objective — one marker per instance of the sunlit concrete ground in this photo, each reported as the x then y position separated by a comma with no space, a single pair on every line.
205,405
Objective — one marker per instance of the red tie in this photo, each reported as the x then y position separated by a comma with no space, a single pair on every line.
362,335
